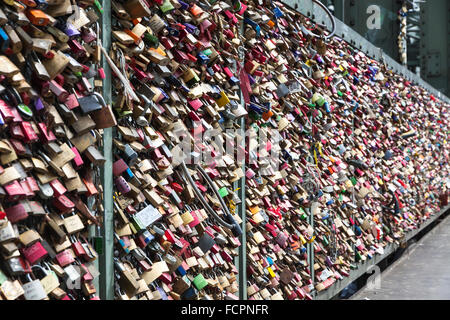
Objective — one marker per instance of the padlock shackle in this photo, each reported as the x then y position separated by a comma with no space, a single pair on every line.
231,223
39,267
100,98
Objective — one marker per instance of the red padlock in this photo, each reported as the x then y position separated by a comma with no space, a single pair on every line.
58,187
64,258
16,213
63,204
15,191
34,253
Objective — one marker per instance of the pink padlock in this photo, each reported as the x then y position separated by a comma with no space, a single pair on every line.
250,173
58,187
64,258
78,160
101,73
196,220
15,191
34,253
59,91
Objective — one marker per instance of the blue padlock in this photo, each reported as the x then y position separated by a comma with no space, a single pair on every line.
250,22
41,4
255,108
210,71
4,40
277,12
203,59
233,81
128,174
181,271
189,294
173,32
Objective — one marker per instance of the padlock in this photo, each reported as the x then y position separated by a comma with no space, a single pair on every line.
126,280
50,280
33,289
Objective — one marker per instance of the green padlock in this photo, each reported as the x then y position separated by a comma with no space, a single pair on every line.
223,192
207,52
151,40
166,6
353,180
318,99
98,244
137,224
3,277
304,215
200,282
25,109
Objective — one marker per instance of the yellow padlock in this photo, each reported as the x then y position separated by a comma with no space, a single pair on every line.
223,100
348,184
271,273
302,239
187,218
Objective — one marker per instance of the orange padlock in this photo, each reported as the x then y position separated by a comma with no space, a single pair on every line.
135,37
267,115
37,17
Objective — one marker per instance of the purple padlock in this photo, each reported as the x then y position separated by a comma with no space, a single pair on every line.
122,185
184,5
192,29
162,293
70,30
38,105
88,35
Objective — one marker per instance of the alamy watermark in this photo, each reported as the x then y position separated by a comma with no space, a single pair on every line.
374,20
211,145
374,280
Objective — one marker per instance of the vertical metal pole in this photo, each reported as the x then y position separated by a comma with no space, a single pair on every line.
106,260
242,261
242,257
353,194
310,247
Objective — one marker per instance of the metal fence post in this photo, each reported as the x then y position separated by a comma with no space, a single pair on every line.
106,260
241,262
